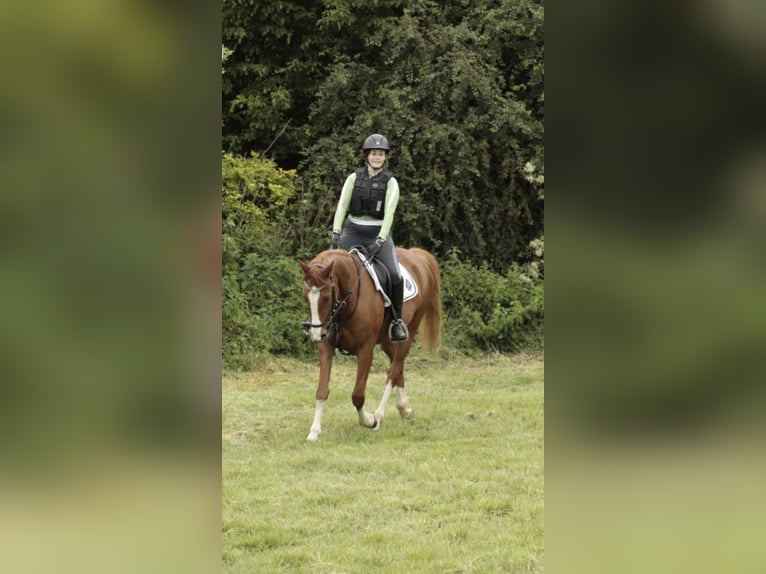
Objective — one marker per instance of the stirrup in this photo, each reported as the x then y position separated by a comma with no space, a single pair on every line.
403,335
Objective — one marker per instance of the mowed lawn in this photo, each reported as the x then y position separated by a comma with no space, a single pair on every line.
459,488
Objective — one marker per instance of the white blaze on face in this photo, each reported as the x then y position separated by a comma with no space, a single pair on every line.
315,332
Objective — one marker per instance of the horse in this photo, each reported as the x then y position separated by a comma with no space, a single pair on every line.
349,314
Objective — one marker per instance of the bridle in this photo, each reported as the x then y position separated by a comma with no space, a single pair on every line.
330,321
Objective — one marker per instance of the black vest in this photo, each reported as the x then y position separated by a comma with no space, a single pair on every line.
369,195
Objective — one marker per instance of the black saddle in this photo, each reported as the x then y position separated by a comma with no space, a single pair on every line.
384,276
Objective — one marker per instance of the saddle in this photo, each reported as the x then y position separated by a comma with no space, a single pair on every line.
382,278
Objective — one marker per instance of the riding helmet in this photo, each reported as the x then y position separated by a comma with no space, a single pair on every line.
376,141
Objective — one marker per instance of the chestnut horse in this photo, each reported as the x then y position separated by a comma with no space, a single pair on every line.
348,313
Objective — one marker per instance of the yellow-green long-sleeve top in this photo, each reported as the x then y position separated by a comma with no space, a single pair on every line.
391,201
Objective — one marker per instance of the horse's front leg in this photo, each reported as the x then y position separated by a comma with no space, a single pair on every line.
326,354
363,364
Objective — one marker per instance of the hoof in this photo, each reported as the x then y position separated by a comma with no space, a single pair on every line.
407,413
312,437
367,420
376,426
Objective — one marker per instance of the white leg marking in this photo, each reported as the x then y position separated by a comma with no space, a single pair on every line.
316,426
314,332
380,412
366,419
401,403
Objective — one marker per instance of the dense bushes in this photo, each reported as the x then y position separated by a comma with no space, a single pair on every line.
483,311
262,310
488,311
261,307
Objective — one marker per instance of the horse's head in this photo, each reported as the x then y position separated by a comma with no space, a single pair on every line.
318,292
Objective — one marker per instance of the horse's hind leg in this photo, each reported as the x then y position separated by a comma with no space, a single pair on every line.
402,403
380,412
395,379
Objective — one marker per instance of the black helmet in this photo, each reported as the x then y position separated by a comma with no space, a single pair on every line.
376,141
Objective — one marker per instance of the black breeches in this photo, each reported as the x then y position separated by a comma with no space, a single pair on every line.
354,234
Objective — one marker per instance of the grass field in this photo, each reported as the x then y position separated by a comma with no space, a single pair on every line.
459,488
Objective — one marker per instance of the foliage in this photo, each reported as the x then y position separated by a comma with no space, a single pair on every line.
460,97
456,86
492,312
483,310
255,204
276,60
225,53
260,310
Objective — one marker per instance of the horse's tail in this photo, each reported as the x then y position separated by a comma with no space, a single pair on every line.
430,327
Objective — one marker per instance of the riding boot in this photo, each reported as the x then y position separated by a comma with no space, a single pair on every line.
397,331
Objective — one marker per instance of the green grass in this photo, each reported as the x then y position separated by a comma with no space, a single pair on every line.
459,488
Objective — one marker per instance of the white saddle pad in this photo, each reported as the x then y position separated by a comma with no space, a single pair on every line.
410,287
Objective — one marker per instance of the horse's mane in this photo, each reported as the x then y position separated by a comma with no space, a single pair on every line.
316,271
340,258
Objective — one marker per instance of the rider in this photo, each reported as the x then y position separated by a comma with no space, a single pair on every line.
369,197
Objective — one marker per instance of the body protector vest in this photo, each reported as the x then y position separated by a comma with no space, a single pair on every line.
369,194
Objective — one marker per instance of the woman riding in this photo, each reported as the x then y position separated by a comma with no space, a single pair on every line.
369,198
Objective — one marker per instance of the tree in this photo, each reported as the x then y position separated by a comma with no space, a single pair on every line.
459,95
456,86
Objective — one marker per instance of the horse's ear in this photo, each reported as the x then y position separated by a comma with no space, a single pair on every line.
304,267
327,270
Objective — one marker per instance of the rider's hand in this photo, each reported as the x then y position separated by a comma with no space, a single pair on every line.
335,240
375,247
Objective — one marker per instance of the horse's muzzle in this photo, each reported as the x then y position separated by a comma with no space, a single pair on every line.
308,325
